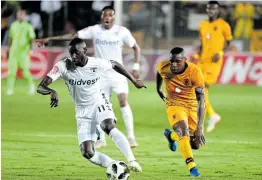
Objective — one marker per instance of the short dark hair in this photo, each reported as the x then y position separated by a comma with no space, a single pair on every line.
176,50
213,2
76,41
108,7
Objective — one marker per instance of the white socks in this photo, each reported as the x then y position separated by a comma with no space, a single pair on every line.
121,142
101,159
129,122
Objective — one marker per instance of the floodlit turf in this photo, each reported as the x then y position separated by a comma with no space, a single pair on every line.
41,143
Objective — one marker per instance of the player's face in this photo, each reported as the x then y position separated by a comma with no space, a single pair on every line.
78,53
212,10
107,18
20,15
177,63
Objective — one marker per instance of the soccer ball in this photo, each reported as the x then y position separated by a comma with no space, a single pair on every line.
117,170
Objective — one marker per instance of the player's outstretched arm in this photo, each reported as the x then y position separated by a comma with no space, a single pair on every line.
45,90
121,70
200,114
159,82
66,37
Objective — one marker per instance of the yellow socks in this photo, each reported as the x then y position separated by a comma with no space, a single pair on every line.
174,136
186,151
209,109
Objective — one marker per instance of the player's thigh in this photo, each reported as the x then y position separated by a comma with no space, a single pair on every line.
192,121
86,124
211,72
12,64
120,87
104,111
24,61
176,114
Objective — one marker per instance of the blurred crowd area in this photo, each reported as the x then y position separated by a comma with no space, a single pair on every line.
154,24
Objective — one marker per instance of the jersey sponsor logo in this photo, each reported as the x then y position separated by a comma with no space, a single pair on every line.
80,82
107,43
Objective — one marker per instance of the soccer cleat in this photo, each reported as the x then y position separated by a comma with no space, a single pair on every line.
134,166
31,90
132,142
194,172
100,143
212,122
9,92
171,144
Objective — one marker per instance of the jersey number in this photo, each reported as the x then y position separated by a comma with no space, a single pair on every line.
103,108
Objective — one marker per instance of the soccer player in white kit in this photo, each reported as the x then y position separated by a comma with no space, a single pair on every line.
109,39
82,75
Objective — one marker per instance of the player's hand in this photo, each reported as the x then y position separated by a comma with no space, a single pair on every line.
139,84
162,95
54,99
41,42
216,57
135,73
199,136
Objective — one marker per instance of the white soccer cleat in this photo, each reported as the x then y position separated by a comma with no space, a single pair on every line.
100,144
212,122
31,89
9,92
132,142
134,166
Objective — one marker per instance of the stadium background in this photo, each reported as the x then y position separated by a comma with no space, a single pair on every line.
40,143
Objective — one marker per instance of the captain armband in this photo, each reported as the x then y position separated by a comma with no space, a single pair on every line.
200,90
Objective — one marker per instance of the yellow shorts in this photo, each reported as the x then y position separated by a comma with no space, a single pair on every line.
177,113
210,72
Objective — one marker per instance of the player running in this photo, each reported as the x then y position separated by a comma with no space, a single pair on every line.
215,36
185,104
21,34
82,75
109,39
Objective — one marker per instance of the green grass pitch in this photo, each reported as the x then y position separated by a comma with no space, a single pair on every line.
41,143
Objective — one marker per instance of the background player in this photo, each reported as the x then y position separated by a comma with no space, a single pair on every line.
21,34
108,39
82,75
215,36
184,83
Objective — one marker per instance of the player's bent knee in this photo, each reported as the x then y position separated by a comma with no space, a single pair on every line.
122,99
87,149
107,125
181,128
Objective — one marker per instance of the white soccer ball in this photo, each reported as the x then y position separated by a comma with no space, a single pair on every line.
117,170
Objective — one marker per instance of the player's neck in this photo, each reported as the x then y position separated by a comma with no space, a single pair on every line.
107,27
213,19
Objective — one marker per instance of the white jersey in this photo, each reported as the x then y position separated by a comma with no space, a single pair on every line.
83,83
108,43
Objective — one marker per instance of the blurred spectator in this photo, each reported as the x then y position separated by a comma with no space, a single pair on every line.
21,34
244,14
8,16
35,20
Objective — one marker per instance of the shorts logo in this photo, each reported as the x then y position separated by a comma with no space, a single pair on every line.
93,70
186,82
174,116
